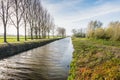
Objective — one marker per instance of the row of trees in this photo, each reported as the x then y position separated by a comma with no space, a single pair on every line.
78,32
95,30
27,13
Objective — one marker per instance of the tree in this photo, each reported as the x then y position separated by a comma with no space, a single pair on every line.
49,24
4,14
44,26
61,31
24,12
92,26
40,19
25,15
30,17
17,13
36,9
78,32
53,29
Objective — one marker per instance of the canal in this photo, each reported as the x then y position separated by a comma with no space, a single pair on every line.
49,62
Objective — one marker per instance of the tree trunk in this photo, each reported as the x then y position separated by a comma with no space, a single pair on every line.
25,33
36,33
39,34
18,39
42,34
48,35
5,34
31,34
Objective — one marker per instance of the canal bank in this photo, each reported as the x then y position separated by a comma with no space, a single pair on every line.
10,49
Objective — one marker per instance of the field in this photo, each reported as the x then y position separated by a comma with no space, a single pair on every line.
95,60
11,39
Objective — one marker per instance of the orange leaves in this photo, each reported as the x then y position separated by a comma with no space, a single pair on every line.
95,61
84,73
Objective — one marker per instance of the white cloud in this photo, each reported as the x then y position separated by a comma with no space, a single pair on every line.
95,11
73,18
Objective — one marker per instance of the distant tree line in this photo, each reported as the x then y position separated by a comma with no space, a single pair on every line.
78,32
27,13
95,30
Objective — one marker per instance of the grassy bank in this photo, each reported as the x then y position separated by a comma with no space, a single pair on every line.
95,60
11,39
9,49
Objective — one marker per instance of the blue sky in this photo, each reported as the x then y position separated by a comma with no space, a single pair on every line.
77,13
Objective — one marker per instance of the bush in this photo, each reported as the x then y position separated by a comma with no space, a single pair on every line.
112,32
99,33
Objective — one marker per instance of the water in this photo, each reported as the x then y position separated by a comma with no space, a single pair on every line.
50,62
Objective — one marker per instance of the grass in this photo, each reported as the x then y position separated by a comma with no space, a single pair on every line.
11,39
95,60
106,42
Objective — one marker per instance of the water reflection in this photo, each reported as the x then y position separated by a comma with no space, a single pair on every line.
50,62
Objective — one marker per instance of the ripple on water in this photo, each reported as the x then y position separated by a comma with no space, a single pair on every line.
49,62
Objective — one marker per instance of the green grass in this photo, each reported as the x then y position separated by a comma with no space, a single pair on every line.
106,42
95,60
11,39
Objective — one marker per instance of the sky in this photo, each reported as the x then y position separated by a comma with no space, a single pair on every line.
77,14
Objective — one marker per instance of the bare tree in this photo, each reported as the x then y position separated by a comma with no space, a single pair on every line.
27,12
40,20
25,15
5,6
17,13
51,27
44,20
53,30
61,31
48,24
36,7
30,17
78,32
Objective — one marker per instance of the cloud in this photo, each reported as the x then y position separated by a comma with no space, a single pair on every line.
79,12
95,12
60,7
